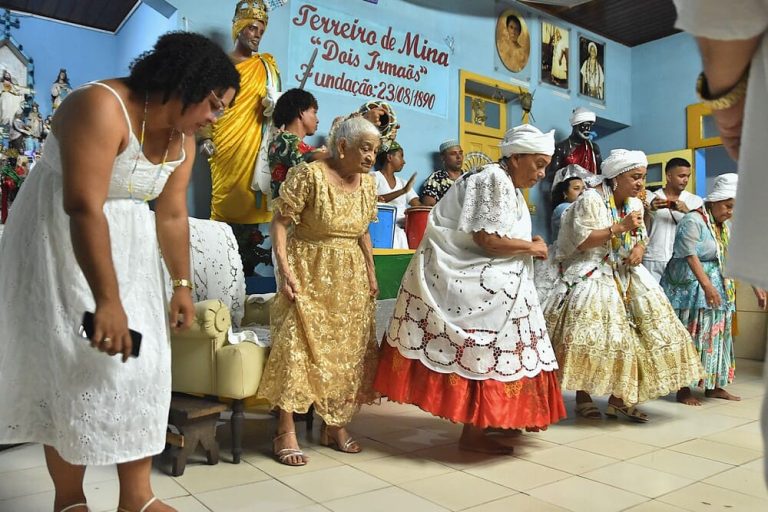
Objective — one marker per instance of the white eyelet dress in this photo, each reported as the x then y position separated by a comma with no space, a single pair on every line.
54,388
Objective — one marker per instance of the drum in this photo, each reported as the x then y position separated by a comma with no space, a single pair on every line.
416,218
383,231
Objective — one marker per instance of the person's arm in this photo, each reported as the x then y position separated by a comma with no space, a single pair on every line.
600,236
172,222
391,196
427,200
496,245
89,141
278,230
367,247
710,292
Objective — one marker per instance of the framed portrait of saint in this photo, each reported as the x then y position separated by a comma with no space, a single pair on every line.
513,41
591,68
555,54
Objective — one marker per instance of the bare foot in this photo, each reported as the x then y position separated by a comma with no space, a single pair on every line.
721,393
506,432
684,396
473,439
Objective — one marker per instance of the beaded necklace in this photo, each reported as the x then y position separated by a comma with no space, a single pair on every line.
622,244
722,236
148,195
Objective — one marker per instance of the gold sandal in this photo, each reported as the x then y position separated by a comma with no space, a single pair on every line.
632,413
74,506
283,455
328,440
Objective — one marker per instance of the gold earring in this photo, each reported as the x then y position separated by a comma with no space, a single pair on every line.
341,156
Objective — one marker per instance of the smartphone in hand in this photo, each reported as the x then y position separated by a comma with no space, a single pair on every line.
86,331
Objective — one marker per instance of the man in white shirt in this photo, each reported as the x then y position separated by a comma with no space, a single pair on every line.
667,207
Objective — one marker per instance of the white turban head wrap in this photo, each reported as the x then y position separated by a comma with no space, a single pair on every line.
576,171
621,161
527,139
724,188
582,115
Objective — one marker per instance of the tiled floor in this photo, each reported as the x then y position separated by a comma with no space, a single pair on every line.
696,459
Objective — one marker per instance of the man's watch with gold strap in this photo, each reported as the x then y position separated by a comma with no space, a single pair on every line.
179,283
725,100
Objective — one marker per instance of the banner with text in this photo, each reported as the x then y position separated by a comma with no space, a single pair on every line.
366,60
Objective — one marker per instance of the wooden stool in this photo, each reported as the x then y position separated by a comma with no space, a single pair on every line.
195,418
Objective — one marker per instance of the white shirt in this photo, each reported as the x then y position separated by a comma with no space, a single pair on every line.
661,239
742,19
402,202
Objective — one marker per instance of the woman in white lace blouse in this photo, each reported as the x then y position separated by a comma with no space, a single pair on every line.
468,341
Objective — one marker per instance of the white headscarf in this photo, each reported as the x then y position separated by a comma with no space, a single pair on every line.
621,161
582,115
576,171
527,139
724,188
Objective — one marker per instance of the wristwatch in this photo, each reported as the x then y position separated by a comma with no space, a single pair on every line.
177,283
725,100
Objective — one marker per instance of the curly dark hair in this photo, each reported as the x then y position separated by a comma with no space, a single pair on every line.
183,63
558,193
291,104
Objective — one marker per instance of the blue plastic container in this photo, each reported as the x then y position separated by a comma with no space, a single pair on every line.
383,231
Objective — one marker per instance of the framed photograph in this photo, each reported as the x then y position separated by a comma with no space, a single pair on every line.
555,54
513,41
591,68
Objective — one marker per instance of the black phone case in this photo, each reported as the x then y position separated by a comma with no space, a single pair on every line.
135,335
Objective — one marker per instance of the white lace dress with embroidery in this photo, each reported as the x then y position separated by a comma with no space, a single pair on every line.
462,311
56,389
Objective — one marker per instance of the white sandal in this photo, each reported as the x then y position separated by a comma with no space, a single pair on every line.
72,507
143,509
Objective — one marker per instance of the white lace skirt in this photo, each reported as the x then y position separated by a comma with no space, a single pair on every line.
56,389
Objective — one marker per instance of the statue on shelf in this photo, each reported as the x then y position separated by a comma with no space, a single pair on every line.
60,89
35,124
577,149
11,98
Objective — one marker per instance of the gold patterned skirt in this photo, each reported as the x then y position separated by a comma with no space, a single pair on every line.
324,349
603,350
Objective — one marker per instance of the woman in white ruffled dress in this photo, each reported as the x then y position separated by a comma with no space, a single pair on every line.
81,237
613,329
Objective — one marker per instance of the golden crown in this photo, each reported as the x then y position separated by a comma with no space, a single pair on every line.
251,10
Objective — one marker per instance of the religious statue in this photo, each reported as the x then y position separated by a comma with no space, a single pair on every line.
60,89
577,149
236,139
11,98
35,124
19,133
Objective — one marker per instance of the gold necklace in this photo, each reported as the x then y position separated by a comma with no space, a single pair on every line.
147,197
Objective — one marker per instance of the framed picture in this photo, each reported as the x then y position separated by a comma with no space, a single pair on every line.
591,68
555,54
513,41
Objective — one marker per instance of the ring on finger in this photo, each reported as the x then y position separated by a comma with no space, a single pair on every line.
106,342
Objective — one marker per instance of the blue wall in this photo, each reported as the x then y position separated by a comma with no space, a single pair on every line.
663,78
86,54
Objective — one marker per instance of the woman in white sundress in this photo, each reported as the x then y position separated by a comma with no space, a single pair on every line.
81,237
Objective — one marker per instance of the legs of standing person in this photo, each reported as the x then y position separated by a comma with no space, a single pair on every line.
67,481
656,268
135,487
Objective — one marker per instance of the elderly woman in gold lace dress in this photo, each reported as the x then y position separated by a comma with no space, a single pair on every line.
324,349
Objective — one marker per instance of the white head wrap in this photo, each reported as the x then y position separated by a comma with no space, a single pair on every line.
724,188
621,161
576,171
527,139
448,144
582,115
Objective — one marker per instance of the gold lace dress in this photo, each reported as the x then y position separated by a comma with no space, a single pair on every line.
636,353
324,349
